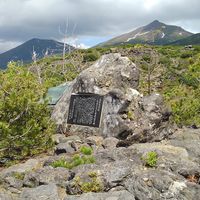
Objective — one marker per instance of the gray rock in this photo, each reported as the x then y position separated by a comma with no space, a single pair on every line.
115,173
44,192
110,142
112,195
5,196
13,182
45,176
189,139
23,167
60,138
94,140
64,148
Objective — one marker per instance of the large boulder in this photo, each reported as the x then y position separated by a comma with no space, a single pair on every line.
126,114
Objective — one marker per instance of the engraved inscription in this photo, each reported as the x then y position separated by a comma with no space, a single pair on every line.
85,109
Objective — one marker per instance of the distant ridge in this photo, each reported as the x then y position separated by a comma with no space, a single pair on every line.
24,51
156,33
191,40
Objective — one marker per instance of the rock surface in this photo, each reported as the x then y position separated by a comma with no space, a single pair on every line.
116,195
44,192
118,172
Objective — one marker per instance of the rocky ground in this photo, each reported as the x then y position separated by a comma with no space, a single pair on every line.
135,154
120,172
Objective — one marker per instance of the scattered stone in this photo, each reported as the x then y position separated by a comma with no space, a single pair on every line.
60,138
11,181
94,140
64,148
44,192
29,165
5,196
112,195
110,142
47,175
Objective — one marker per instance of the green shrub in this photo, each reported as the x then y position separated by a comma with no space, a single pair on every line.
186,54
25,126
150,159
91,56
183,94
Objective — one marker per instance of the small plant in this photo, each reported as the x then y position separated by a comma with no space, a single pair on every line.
85,157
86,150
150,159
95,185
130,115
19,176
60,163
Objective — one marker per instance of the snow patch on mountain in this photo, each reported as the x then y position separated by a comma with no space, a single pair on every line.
163,35
136,35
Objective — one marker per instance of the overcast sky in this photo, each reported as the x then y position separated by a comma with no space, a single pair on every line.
89,21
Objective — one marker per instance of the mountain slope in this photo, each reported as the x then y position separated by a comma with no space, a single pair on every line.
156,33
193,39
24,51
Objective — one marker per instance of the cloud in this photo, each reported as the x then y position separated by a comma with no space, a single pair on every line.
21,20
5,45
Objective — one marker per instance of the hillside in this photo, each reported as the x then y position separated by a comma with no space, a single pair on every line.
23,52
156,33
191,40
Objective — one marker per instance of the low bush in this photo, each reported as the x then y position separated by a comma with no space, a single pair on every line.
25,124
91,56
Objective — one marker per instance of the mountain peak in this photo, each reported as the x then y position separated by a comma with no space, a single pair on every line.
156,33
24,51
154,25
155,22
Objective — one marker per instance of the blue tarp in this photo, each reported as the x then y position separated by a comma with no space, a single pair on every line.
55,93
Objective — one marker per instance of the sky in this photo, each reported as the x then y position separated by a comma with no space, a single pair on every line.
88,22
